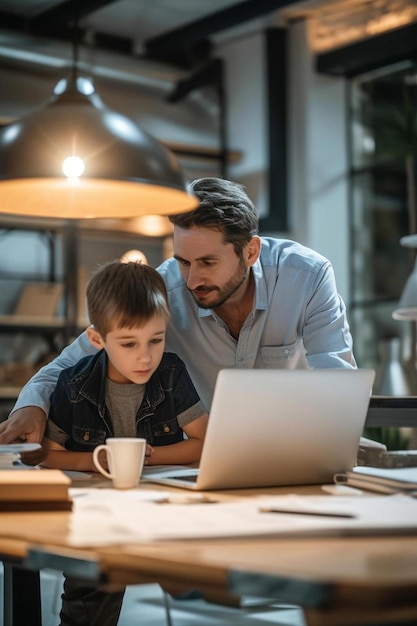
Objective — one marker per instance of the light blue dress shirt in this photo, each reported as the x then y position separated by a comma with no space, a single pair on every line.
298,320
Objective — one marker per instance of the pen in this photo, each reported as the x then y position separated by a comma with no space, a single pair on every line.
188,499
314,513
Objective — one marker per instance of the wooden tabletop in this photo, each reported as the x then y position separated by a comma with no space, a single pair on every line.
336,580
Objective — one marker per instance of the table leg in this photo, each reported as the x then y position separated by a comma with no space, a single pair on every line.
22,597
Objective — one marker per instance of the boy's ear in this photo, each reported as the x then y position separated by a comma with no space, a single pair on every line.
94,338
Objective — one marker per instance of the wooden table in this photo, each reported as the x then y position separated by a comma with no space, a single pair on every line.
337,581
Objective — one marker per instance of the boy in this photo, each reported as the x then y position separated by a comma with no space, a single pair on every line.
130,388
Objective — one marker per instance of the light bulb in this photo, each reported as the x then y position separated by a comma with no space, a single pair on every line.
73,167
134,256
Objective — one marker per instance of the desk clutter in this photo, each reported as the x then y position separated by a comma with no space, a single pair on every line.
103,517
10,455
8,460
381,479
375,454
34,490
398,458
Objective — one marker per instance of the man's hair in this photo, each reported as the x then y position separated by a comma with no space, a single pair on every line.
225,206
125,295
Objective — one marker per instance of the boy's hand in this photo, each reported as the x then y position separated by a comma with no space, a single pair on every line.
34,457
149,452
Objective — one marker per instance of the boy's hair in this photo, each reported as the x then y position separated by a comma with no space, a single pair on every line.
224,205
125,295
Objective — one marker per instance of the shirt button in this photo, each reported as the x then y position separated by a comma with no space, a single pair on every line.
286,351
86,436
166,428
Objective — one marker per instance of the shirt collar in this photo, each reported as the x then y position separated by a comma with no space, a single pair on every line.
261,293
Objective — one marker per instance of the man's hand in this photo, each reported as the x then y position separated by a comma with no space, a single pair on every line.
26,424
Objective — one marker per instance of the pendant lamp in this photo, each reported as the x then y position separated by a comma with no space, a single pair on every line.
145,225
75,158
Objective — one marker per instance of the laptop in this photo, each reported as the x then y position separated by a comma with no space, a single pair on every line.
270,428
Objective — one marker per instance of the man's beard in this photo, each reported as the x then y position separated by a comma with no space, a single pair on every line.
225,292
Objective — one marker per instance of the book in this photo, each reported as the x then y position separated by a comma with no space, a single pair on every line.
380,479
26,490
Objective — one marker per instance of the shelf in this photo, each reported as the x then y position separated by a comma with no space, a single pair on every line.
9,392
31,322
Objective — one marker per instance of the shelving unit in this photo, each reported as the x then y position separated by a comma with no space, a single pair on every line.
71,252
8,392
31,255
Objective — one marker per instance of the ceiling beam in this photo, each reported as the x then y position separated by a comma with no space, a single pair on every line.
369,54
187,46
65,13
211,73
12,21
185,37
57,23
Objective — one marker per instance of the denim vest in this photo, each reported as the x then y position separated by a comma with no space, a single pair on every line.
78,403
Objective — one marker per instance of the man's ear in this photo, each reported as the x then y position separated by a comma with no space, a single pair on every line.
253,250
95,338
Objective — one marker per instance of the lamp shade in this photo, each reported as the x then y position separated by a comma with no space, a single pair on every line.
145,225
75,158
407,306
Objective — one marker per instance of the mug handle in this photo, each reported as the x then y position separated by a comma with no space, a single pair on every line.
97,462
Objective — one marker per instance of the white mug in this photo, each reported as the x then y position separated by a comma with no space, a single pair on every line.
125,458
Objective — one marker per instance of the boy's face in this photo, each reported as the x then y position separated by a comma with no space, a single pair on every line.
135,353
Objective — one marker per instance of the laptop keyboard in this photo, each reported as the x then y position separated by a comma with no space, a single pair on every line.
190,478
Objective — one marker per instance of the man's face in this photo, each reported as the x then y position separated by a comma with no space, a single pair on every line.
210,267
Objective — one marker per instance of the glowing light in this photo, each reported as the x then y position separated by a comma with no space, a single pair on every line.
73,167
134,256
152,225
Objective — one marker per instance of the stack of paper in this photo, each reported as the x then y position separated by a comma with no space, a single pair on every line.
10,454
382,480
7,459
100,518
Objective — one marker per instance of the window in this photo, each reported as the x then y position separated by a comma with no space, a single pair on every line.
383,143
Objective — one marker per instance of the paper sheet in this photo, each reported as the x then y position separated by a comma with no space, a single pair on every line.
102,518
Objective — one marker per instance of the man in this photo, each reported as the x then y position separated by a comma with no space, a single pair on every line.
236,300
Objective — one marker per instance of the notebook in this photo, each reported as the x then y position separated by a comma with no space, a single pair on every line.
278,427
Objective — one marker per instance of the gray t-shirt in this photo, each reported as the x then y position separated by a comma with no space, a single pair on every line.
123,402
